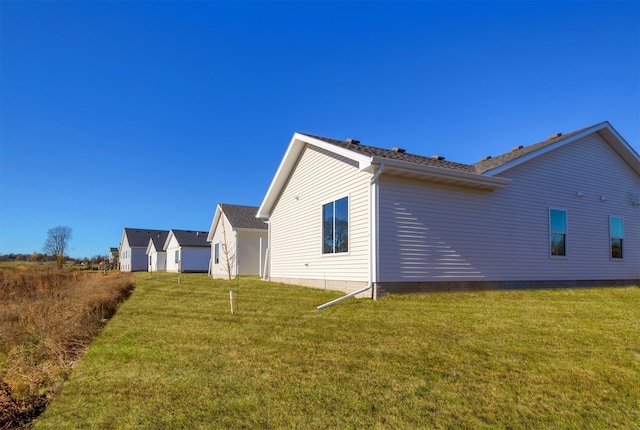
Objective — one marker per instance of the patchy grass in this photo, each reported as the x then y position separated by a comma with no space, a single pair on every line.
47,319
175,357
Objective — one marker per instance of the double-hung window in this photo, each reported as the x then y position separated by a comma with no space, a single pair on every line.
616,232
558,232
335,226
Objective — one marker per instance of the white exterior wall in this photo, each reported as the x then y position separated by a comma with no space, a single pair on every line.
125,255
220,270
157,261
248,252
134,259
431,232
172,247
296,223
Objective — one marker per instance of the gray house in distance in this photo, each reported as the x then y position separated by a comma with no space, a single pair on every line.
133,248
156,254
561,212
187,251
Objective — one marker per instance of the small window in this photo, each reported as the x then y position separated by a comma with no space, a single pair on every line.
558,232
217,253
616,231
335,226
177,255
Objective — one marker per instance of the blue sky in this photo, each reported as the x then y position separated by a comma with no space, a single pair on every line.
147,114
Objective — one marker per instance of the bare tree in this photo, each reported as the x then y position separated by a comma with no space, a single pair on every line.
58,239
229,256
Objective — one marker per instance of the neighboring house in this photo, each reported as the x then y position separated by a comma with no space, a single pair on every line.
156,255
187,251
133,248
113,258
562,212
238,241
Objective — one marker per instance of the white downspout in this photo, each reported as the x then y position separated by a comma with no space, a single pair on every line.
373,231
373,243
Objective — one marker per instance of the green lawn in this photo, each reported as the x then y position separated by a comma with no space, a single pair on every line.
175,357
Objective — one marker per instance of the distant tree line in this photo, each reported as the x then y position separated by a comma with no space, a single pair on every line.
95,262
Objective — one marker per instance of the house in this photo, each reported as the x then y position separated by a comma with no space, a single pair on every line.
238,241
187,251
133,248
113,258
156,255
561,212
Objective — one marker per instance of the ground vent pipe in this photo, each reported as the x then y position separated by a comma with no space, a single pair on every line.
339,299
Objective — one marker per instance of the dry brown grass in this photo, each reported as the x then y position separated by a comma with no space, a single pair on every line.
48,318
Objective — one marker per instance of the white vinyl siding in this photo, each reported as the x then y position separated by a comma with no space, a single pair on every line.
172,248
248,262
296,222
431,232
225,249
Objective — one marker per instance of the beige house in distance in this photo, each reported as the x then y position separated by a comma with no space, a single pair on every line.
238,241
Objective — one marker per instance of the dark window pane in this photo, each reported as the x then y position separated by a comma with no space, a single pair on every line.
342,225
558,244
327,228
616,248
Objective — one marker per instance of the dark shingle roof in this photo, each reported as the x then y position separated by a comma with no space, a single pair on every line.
140,237
191,238
372,151
493,162
159,240
243,216
477,168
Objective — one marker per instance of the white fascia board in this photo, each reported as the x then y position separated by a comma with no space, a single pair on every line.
604,129
150,247
431,172
289,161
621,146
214,223
166,242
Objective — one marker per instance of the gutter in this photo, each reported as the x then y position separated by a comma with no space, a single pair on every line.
373,226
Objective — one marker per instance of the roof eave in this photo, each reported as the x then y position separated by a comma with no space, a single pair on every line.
440,175
294,150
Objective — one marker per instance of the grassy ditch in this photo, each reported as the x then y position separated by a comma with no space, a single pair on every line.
175,357
47,319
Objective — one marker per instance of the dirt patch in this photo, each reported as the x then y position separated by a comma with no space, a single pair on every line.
16,414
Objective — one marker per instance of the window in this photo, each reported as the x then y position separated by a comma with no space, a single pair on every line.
616,231
558,232
335,226
217,253
177,255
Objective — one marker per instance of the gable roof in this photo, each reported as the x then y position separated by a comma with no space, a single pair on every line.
518,155
192,238
481,175
243,217
139,237
240,217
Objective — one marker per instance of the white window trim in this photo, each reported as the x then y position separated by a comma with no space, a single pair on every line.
322,204
611,237
566,233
